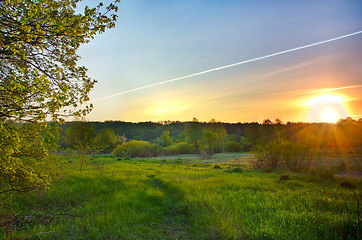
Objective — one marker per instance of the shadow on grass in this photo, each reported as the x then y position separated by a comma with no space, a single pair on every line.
176,222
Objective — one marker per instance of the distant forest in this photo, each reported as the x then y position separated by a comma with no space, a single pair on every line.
346,134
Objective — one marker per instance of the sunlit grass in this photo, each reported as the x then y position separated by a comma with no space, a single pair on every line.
155,199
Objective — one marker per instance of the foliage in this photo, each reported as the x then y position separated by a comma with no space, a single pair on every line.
252,135
345,136
221,134
51,136
280,154
39,75
179,148
39,80
210,141
134,148
245,144
193,132
236,170
84,148
23,158
79,131
107,140
269,131
165,139
83,137
119,151
232,146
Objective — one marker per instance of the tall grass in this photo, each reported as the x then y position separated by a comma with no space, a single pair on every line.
144,200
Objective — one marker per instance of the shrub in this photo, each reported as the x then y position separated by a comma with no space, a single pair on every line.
217,167
281,154
134,148
120,151
267,156
232,146
284,178
179,148
155,149
237,170
234,170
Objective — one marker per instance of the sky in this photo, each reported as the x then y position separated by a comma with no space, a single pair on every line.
161,40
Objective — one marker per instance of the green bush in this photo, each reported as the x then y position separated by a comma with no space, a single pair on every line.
120,151
179,148
280,154
267,156
232,146
237,170
134,148
155,149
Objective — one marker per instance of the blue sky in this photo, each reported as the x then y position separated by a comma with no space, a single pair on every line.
157,40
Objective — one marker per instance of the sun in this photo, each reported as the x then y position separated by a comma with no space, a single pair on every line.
329,115
326,108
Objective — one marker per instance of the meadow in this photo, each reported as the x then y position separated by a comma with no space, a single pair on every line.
183,197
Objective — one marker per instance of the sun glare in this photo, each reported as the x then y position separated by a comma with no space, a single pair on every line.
325,99
329,115
326,108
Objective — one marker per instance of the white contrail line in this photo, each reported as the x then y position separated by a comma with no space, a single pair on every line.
335,89
232,65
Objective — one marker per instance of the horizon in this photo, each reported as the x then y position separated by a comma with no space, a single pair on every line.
168,122
232,61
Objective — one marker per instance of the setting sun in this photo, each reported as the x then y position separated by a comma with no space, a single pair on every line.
329,115
326,108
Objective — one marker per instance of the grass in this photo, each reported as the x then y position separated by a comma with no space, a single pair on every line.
185,198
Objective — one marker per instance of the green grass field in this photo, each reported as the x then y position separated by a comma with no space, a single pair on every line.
186,198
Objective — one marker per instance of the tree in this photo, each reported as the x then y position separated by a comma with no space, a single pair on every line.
193,132
40,78
269,131
210,139
85,148
79,130
82,136
165,139
39,75
22,156
220,131
51,136
108,140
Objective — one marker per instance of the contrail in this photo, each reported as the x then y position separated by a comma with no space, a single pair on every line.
334,89
232,65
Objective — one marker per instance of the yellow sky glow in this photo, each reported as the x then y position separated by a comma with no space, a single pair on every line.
325,99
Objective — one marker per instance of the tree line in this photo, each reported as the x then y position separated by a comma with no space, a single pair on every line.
209,137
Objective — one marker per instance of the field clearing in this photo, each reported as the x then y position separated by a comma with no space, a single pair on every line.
184,197
343,164
241,158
